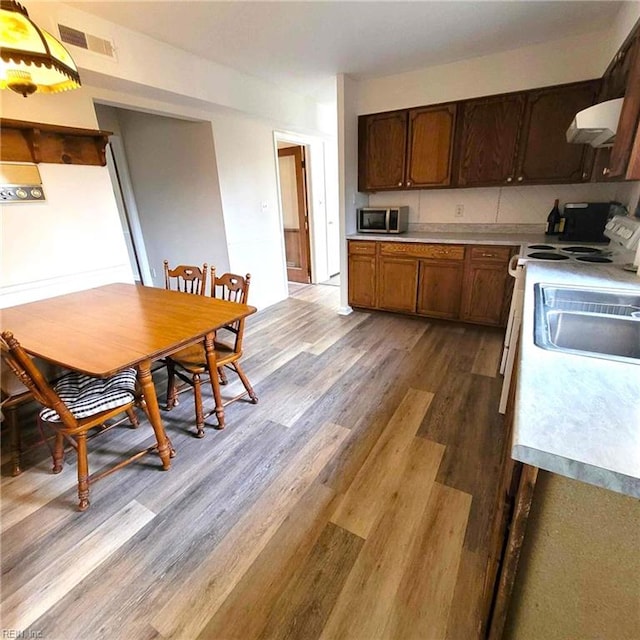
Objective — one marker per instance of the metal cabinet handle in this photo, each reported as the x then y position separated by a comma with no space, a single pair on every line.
399,184
520,178
509,179
408,183
606,171
489,255
584,175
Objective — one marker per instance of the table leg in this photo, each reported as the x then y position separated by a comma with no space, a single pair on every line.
153,411
212,365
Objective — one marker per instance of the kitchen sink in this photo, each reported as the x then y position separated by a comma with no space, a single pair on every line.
591,322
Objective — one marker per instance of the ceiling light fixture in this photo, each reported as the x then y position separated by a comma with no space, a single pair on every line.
31,59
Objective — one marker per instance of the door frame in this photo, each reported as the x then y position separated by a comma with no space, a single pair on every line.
314,149
298,152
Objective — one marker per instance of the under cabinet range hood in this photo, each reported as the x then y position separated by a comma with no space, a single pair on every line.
596,125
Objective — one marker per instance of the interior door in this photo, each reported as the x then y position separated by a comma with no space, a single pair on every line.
293,190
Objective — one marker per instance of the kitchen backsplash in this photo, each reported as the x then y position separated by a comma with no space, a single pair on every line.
501,205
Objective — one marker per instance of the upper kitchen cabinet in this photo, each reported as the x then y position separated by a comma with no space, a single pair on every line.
382,143
623,160
408,149
430,146
520,138
544,155
488,140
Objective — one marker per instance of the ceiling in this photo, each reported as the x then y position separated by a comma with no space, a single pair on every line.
301,46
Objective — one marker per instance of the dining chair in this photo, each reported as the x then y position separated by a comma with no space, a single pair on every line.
14,394
186,278
190,364
75,405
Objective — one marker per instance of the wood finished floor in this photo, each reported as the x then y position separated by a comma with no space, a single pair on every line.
352,502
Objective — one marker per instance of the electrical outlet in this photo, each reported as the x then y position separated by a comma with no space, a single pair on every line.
459,211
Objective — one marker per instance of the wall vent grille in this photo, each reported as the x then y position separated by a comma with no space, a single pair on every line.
87,41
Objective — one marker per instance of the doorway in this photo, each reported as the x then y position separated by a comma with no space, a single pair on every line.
293,192
127,210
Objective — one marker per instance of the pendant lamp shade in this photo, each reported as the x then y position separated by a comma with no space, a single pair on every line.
31,59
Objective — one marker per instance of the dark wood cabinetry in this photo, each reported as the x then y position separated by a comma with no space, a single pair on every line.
488,140
397,281
382,151
440,288
362,274
406,149
627,140
622,80
520,138
454,282
508,139
487,286
430,146
544,156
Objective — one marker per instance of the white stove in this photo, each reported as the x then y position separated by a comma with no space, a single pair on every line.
624,235
568,252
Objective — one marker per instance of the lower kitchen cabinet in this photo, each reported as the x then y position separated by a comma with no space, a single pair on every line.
454,282
440,288
397,283
488,286
484,294
362,274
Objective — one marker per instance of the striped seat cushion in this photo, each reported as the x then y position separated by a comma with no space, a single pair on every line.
85,396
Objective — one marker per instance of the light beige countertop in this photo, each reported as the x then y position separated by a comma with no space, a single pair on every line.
576,415
492,234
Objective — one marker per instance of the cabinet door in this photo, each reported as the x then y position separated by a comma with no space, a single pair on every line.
485,292
544,155
488,140
397,283
440,288
362,273
430,146
629,116
382,142
362,281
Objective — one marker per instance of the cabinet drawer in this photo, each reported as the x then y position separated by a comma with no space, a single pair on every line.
414,250
362,248
491,254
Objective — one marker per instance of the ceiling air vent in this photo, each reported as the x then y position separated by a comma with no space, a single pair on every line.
86,41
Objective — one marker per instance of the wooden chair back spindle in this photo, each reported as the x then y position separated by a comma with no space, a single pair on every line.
186,278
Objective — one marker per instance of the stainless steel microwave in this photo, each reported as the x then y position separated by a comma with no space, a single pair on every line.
383,220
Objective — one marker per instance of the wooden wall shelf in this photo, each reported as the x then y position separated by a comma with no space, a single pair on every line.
38,142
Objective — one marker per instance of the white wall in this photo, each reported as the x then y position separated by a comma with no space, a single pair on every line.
569,60
241,111
350,198
249,192
73,240
148,63
175,180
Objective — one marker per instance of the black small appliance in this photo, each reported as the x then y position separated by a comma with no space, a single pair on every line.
585,221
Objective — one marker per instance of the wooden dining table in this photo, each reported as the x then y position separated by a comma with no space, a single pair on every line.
104,330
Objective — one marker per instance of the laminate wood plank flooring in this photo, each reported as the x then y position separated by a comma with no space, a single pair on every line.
351,502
